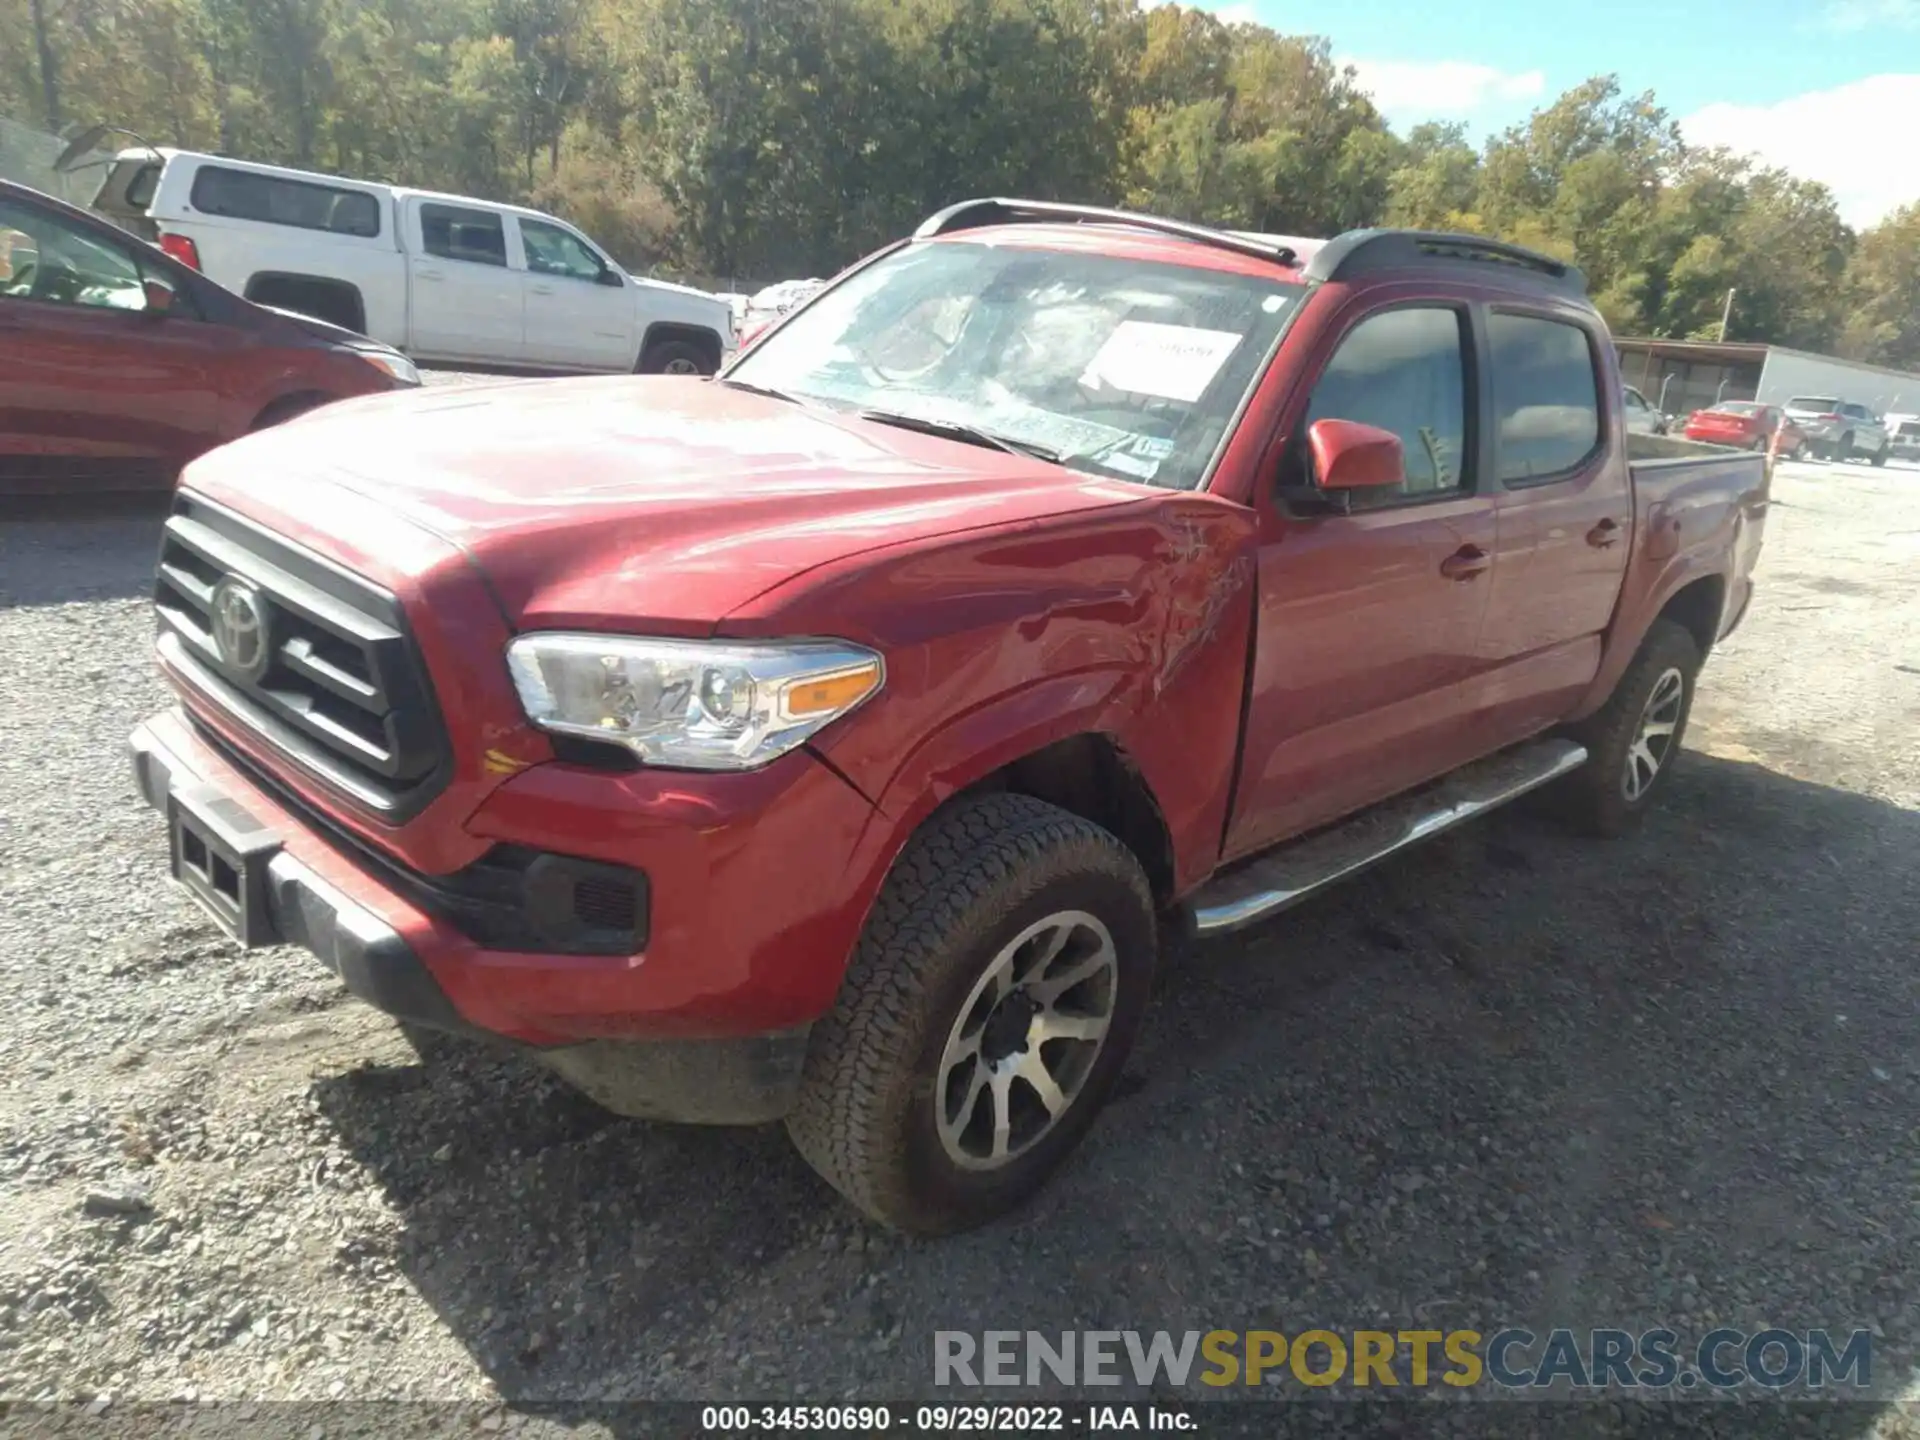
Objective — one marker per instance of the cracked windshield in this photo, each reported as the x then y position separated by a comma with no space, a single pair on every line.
1109,365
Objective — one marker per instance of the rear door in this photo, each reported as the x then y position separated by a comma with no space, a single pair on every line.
1565,516
579,311
466,302
95,391
1368,621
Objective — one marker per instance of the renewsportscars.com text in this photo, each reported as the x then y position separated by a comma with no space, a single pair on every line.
1510,1359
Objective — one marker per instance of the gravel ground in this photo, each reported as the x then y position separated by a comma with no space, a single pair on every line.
1516,1078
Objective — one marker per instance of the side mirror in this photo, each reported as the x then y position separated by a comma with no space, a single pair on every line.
159,297
1350,456
610,278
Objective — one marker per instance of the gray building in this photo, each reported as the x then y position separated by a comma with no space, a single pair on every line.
1681,376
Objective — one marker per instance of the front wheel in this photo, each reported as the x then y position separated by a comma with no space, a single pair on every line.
1880,456
989,1007
1633,740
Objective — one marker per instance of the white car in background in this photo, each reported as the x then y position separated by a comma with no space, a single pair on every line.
1903,436
446,278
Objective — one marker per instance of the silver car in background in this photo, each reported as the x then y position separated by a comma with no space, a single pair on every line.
1839,429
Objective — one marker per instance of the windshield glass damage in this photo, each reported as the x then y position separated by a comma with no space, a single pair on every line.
1112,366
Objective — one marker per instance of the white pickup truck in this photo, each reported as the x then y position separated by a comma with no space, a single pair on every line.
446,278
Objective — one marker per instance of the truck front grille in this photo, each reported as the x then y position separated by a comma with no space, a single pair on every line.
314,660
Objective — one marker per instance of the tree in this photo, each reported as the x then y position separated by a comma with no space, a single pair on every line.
1883,280
769,138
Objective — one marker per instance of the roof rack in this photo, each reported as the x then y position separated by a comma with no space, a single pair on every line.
971,214
1362,252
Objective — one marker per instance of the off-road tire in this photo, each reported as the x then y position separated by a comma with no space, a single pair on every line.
1594,797
1879,456
976,875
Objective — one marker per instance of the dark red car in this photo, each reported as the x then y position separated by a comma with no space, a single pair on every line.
118,365
1746,425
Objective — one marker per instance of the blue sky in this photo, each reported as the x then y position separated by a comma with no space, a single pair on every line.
1827,88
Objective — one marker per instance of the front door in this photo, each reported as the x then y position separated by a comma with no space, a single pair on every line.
466,303
579,309
1368,621
96,391
1565,520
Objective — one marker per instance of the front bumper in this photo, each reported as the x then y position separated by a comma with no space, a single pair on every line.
655,1035
300,906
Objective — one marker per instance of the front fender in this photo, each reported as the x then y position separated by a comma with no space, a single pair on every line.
973,745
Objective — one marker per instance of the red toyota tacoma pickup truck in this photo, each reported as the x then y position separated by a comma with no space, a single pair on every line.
838,740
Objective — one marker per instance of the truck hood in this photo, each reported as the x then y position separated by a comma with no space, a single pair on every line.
616,502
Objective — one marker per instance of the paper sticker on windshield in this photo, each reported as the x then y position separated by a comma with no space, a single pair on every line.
1175,362
1131,465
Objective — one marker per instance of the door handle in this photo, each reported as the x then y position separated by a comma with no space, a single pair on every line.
1465,563
429,275
1604,534
541,289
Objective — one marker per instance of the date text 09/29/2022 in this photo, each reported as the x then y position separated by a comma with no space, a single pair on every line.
944,1419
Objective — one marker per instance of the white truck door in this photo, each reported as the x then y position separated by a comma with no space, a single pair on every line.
466,300
579,308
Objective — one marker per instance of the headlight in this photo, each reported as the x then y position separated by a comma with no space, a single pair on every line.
690,704
394,363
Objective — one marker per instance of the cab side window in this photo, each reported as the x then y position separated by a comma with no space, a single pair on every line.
552,251
1405,371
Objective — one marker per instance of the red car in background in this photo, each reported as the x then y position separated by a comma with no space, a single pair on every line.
118,365
1746,425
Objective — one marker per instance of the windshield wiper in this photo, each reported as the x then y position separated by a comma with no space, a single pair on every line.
766,390
967,434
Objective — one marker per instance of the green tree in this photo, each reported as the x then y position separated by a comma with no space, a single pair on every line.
1883,281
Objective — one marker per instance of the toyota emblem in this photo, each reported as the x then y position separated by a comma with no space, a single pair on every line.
240,627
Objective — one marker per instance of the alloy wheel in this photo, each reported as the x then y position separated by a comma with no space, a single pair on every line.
1653,742
1026,1039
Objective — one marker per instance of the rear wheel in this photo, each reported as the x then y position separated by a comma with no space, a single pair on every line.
987,1012
675,357
1633,740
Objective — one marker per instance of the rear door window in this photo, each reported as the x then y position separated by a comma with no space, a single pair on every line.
276,200
1546,395
454,233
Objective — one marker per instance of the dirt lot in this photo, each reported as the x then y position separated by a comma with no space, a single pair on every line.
1519,1078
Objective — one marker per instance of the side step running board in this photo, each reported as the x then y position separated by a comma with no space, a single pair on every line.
1269,883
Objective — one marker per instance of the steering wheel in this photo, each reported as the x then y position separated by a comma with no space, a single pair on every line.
59,283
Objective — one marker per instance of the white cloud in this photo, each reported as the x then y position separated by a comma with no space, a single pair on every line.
1442,89
1847,138
1853,16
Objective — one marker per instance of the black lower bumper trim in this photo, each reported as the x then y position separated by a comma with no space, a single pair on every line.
372,959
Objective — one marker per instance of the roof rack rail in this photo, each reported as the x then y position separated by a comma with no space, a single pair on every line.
971,214
1360,252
